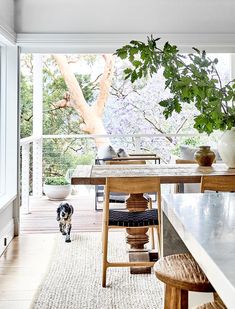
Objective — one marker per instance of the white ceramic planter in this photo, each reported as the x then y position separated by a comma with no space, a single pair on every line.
57,192
226,147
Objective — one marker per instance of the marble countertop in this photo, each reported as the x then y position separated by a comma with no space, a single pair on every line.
206,224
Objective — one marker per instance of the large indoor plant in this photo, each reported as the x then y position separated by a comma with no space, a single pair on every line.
191,80
56,188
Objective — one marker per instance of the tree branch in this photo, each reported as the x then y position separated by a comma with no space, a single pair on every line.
104,84
74,88
152,123
181,125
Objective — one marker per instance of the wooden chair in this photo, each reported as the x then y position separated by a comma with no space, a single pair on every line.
181,274
99,189
183,161
126,162
212,305
218,183
180,187
149,199
124,219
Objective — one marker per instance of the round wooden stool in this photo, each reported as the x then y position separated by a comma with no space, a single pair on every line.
212,305
181,274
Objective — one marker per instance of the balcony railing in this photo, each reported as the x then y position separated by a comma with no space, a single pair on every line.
36,154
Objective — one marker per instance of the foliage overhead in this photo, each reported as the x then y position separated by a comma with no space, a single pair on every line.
26,91
193,79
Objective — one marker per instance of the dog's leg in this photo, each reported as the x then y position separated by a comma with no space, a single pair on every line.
69,226
62,228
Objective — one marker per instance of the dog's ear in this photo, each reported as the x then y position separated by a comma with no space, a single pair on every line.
58,212
70,209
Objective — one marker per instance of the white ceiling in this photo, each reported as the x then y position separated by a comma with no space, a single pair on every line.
87,25
124,16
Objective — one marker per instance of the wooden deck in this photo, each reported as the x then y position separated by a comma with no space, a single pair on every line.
42,216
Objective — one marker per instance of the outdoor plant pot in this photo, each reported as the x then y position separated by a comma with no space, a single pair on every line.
57,192
56,188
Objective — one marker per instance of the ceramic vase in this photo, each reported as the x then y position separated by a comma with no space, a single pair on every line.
226,147
204,156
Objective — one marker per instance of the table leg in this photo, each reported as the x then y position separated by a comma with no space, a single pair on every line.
137,238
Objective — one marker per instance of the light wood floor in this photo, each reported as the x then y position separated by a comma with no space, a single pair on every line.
26,259
22,268
42,216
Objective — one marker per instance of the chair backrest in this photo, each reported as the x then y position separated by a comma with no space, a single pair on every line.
126,162
218,183
188,187
183,161
133,185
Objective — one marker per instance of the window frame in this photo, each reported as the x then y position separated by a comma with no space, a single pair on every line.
9,119
2,120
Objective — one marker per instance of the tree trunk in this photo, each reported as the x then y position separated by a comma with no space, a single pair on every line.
92,116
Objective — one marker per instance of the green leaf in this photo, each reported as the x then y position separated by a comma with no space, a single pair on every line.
137,63
197,50
128,71
122,53
134,76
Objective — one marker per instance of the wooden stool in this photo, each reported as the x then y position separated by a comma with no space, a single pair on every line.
181,274
212,305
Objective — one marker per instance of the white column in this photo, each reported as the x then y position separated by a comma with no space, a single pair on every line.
37,124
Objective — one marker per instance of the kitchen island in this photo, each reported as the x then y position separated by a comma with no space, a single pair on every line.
204,225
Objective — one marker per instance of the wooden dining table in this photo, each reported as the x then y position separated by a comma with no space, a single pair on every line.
168,173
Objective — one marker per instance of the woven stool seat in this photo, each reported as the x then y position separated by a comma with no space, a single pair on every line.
212,305
182,272
133,219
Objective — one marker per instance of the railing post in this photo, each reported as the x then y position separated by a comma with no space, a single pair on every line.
37,124
25,178
37,168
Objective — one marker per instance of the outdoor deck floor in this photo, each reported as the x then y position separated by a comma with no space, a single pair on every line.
42,216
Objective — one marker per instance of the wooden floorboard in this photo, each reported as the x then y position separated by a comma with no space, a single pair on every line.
42,216
22,267
25,261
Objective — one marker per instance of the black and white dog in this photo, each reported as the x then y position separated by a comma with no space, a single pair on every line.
64,216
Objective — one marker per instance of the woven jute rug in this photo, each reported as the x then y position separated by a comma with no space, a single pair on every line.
73,279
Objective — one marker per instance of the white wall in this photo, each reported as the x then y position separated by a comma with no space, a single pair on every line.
7,19
125,16
6,226
9,206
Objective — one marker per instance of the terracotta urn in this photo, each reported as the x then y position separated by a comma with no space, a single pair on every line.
204,156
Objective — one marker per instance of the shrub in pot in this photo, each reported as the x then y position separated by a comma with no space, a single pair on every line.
56,188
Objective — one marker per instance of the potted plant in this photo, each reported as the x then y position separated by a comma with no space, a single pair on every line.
56,188
191,80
